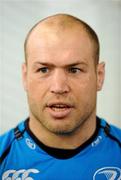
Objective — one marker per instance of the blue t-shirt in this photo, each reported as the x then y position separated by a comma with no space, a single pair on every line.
26,158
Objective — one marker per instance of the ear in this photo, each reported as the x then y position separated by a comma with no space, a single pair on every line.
100,75
24,76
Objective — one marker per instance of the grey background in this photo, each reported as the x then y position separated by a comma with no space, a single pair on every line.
18,16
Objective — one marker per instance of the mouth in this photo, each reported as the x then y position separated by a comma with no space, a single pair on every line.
59,110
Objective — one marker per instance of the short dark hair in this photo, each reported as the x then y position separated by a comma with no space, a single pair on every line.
68,20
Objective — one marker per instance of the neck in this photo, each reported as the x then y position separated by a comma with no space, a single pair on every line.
70,141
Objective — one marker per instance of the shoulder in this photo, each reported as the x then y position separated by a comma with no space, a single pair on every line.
7,138
114,130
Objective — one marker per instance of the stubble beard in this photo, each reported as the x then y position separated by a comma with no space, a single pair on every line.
67,129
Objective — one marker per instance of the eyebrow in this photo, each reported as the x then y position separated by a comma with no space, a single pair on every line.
66,65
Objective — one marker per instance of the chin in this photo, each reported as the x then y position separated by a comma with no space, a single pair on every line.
62,130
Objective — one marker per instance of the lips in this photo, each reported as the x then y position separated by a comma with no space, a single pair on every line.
59,110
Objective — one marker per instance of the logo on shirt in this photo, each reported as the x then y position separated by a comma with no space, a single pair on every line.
97,141
30,143
109,173
21,174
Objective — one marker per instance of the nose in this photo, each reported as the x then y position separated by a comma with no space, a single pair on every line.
59,84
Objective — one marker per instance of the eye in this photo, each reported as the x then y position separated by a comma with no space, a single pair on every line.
74,70
43,69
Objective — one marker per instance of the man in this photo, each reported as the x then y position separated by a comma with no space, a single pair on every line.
62,138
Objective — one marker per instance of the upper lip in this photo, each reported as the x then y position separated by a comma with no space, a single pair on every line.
60,103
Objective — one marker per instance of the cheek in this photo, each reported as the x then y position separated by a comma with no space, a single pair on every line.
85,89
36,89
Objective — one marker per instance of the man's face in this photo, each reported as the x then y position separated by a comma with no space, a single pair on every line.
61,80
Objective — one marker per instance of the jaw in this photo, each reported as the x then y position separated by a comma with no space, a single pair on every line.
62,133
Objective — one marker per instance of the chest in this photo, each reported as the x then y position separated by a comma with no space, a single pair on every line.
36,165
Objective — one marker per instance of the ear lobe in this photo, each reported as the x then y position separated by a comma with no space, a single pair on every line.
24,76
100,75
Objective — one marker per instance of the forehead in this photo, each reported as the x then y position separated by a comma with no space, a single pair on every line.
59,25
56,44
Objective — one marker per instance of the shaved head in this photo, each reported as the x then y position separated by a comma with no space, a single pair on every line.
60,23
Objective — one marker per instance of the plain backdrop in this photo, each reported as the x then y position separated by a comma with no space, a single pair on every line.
18,16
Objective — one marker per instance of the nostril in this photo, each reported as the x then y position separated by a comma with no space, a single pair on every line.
59,89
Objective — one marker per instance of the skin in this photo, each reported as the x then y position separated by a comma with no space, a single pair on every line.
60,69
